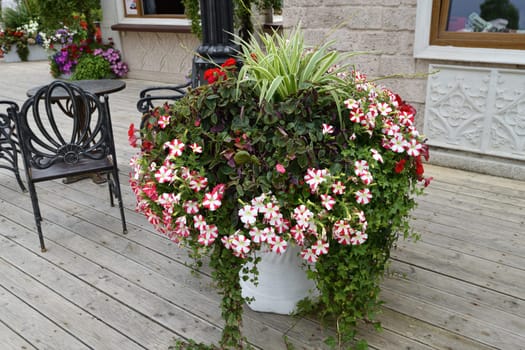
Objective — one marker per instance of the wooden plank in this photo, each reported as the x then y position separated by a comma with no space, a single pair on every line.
504,279
456,217
489,183
461,325
503,243
492,317
11,339
479,193
425,332
100,275
37,329
89,330
476,206
496,248
111,310
143,276
456,287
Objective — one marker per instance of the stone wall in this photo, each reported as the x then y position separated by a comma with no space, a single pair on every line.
382,29
165,57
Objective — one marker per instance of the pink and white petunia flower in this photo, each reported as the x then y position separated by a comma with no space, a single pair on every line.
211,201
338,188
164,121
257,235
376,155
363,196
384,108
327,201
398,144
315,177
191,207
351,103
328,129
241,245
414,148
358,238
248,215
277,244
199,222
198,183
175,147
320,247
164,175
361,167
309,255
196,148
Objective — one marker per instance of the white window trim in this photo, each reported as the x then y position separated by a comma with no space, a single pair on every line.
122,19
423,50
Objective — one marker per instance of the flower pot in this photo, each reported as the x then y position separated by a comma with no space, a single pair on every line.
36,53
282,282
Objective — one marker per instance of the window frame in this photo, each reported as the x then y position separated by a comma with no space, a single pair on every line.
441,37
423,49
140,13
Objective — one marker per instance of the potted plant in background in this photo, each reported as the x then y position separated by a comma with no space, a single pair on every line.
23,36
290,150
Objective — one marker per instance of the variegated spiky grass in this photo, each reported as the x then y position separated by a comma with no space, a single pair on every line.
281,65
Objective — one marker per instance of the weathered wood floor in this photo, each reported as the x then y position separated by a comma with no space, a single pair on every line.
461,287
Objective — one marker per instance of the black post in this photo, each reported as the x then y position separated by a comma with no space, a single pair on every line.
217,39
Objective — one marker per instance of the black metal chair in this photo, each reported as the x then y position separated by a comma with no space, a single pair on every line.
9,141
65,131
169,93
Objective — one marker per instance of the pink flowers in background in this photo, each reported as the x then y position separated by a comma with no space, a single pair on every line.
113,56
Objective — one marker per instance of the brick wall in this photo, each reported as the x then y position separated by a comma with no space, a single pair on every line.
382,28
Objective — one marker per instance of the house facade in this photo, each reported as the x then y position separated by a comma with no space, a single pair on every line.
460,63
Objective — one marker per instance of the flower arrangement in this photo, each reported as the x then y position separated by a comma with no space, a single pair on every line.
23,36
72,45
292,149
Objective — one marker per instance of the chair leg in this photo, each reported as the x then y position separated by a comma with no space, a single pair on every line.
118,193
38,216
111,186
19,180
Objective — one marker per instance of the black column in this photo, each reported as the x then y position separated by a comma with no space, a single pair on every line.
217,39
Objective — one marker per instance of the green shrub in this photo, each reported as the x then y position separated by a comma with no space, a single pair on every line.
92,67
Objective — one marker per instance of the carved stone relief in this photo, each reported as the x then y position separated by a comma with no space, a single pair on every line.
476,109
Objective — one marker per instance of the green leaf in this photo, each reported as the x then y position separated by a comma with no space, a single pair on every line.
242,157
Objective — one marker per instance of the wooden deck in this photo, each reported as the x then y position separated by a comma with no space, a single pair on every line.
462,286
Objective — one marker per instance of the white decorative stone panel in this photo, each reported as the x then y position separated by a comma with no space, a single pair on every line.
479,110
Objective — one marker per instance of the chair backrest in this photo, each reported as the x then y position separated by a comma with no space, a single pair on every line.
63,123
8,138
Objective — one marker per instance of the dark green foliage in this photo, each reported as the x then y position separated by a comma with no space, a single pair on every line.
91,67
56,13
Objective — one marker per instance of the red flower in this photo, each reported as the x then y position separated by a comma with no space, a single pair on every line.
420,170
405,107
147,146
400,165
213,74
230,62
131,135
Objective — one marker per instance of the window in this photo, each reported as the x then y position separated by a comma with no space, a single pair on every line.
154,8
498,24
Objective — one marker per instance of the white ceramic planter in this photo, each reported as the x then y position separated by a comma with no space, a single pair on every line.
282,283
36,53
